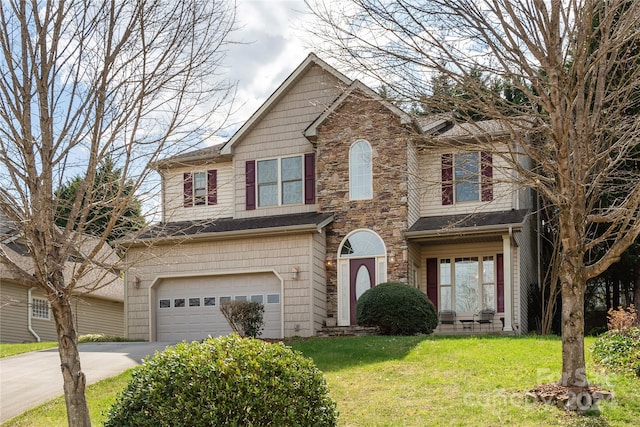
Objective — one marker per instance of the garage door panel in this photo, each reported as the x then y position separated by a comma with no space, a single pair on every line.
197,314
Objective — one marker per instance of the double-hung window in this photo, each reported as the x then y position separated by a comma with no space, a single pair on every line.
279,181
200,188
467,177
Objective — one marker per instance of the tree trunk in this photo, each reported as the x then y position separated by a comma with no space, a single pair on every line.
573,288
636,289
74,378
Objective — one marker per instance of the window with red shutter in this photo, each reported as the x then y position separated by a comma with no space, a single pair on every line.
212,187
309,178
188,189
447,179
250,187
486,168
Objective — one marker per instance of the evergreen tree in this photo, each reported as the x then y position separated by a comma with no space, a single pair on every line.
107,190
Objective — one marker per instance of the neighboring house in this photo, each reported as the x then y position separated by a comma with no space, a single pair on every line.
25,314
326,191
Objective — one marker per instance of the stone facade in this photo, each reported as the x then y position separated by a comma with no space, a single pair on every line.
386,213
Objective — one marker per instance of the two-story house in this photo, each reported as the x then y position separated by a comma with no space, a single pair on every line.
326,191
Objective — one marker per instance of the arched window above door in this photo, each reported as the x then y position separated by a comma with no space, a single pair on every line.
362,243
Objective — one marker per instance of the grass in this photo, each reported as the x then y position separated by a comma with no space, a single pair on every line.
7,350
100,396
417,381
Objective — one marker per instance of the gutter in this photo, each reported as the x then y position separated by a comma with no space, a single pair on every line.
467,231
37,337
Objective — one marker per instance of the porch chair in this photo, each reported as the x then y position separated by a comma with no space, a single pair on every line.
447,317
485,317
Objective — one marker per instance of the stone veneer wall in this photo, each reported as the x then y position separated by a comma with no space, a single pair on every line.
386,213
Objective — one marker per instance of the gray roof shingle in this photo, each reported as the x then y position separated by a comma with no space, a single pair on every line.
220,225
462,221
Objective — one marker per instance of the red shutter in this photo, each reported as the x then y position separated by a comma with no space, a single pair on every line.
188,189
447,179
309,178
432,281
212,187
250,189
500,281
486,168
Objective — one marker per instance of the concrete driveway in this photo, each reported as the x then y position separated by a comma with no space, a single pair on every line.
29,379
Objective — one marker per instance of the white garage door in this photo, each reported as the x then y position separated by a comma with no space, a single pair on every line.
189,308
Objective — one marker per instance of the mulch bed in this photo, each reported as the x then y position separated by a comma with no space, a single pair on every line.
580,399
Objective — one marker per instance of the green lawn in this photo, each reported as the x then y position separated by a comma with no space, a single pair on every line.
12,349
418,381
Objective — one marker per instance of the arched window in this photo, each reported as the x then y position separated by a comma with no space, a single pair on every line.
362,243
360,172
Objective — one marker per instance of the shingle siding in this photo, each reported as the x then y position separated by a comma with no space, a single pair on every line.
276,253
280,133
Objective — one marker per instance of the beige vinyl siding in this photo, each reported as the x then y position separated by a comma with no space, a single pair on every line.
516,294
504,189
279,254
528,269
174,210
14,312
97,316
319,280
46,329
414,184
92,315
414,270
279,134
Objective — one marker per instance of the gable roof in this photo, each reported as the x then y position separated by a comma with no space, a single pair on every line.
255,118
203,155
356,86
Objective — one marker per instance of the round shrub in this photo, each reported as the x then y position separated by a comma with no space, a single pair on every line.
396,309
226,381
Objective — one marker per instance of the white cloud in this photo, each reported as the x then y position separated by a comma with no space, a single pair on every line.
270,46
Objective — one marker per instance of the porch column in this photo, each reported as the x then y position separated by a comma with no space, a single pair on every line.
508,283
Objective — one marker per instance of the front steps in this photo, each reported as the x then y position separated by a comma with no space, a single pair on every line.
347,331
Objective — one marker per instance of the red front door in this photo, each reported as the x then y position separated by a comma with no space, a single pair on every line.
362,274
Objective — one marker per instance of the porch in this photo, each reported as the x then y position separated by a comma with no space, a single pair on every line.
465,327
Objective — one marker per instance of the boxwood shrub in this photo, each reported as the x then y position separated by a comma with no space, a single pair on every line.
396,309
227,381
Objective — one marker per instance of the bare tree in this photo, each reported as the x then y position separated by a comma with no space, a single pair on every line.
576,61
82,81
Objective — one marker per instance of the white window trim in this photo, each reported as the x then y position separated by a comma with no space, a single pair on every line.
32,311
479,178
481,282
280,182
351,172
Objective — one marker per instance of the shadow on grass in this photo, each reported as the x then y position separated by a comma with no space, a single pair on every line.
336,353
332,354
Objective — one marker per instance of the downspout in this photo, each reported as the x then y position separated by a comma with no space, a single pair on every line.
37,337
